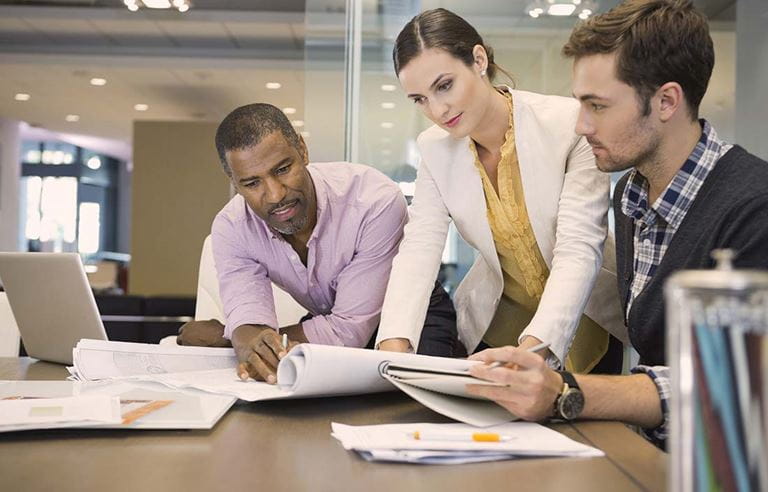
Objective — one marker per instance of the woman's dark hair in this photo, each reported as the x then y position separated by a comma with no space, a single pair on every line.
444,30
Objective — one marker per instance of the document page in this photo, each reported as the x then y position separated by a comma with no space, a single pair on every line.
20,412
521,439
98,359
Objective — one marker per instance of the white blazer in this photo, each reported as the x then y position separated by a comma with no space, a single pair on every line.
567,199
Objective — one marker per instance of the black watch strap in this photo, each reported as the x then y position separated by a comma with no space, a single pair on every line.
569,379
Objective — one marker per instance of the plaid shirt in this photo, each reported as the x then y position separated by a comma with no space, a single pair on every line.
655,225
654,228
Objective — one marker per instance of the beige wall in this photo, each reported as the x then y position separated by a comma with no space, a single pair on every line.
178,187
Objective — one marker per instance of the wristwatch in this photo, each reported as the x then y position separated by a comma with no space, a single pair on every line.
570,402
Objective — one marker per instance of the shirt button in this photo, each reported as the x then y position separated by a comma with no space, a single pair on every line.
647,242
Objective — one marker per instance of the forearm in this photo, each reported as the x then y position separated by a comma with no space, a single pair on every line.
632,399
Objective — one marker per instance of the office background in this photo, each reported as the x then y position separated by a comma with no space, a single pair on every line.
124,167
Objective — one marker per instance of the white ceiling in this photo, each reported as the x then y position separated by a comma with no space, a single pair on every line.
202,64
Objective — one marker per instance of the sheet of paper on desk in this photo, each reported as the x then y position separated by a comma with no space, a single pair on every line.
140,405
20,412
527,440
99,359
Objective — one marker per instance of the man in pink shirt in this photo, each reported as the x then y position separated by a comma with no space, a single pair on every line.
325,233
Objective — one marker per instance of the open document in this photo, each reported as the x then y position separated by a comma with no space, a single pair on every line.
457,443
26,405
307,371
99,359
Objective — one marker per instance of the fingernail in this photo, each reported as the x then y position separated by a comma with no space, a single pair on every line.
271,379
243,376
281,354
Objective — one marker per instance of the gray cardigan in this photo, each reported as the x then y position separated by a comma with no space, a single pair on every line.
730,211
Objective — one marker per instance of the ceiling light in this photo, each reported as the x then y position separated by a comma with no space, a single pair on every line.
93,163
561,9
297,123
388,88
72,118
387,124
98,81
273,85
387,105
21,96
289,110
156,4
140,107
180,5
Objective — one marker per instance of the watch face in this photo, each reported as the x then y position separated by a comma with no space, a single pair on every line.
571,404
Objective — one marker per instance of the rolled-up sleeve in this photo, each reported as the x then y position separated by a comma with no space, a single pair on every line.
660,377
361,284
244,285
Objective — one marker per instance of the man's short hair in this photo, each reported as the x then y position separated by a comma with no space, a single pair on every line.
655,41
247,125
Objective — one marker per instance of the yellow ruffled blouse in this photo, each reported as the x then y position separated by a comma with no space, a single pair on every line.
524,269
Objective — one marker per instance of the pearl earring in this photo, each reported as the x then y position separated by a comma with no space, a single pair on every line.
482,73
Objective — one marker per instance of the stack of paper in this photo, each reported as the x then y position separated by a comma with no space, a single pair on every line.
454,444
18,412
28,405
100,359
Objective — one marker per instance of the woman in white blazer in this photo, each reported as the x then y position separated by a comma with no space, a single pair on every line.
521,188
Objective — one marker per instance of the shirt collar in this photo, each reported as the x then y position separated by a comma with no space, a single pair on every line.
676,199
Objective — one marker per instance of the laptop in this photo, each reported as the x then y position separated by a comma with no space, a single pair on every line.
52,302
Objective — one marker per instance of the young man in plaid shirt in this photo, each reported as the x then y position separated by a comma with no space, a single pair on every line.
640,72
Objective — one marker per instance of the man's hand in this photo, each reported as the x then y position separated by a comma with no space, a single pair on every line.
208,333
531,387
395,345
259,350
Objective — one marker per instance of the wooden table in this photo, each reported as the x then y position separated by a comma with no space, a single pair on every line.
286,445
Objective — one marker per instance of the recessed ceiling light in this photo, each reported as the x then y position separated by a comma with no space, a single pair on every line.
21,96
289,110
183,8
297,123
156,4
387,105
98,81
94,162
140,107
132,7
388,88
273,85
387,124
561,9
72,118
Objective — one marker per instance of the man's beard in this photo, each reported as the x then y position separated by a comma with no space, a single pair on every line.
291,226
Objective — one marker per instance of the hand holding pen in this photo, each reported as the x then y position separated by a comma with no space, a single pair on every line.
526,386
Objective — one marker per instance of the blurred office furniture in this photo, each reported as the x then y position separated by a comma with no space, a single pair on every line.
102,275
9,331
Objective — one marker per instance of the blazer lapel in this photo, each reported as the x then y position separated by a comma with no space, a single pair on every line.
540,180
